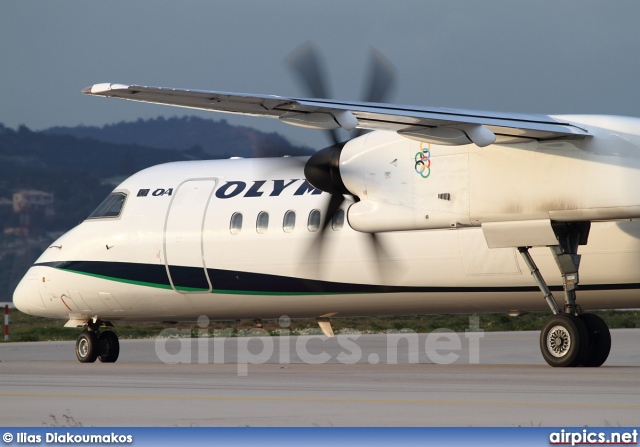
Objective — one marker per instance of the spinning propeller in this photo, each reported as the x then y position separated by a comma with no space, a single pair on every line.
322,170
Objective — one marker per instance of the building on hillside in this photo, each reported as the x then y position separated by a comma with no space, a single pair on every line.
29,204
33,202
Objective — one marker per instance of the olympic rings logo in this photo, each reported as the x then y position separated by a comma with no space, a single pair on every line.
423,161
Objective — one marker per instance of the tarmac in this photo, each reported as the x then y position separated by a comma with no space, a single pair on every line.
472,379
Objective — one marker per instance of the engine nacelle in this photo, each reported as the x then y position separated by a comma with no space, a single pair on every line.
404,184
408,185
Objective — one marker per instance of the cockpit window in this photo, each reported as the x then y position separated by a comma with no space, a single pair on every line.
110,207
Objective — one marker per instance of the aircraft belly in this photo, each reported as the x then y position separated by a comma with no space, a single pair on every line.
225,307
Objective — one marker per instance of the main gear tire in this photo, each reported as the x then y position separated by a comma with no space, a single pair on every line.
564,341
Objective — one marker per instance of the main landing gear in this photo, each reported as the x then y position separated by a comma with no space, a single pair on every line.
570,337
93,344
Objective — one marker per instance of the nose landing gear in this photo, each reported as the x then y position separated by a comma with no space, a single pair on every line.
93,344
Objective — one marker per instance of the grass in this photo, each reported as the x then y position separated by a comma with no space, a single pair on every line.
25,327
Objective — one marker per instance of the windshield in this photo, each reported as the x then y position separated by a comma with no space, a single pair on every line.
110,207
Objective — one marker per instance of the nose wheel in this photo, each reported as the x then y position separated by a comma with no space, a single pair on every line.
87,347
92,345
108,347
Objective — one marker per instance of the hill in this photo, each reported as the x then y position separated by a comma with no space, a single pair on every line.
216,139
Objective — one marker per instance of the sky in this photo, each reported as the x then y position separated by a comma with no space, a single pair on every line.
542,56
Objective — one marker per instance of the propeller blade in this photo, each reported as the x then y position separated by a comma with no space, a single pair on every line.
315,249
380,82
381,78
334,204
390,274
306,64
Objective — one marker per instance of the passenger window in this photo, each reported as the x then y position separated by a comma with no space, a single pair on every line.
337,222
289,221
262,222
110,207
235,226
313,224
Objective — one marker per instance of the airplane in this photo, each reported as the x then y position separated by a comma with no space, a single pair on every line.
431,210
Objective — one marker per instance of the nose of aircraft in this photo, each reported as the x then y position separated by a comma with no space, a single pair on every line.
27,296
20,297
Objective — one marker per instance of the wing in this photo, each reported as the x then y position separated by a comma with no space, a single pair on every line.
436,125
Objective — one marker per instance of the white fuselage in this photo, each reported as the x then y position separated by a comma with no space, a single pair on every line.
171,254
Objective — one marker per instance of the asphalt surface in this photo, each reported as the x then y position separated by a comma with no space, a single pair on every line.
371,380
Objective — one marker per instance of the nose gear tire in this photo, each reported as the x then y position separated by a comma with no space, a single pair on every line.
87,347
108,347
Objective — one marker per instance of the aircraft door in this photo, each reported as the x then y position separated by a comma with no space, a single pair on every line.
183,247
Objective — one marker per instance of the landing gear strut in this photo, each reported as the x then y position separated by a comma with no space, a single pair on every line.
93,344
569,338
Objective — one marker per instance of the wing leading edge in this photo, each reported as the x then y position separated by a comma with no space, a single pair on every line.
438,125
